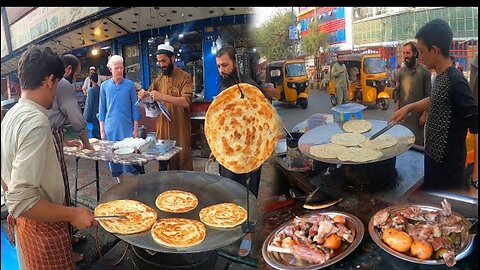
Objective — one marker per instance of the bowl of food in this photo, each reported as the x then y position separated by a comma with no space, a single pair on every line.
164,145
422,234
331,237
124,153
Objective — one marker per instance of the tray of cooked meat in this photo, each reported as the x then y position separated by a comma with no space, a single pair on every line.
422,234
313,241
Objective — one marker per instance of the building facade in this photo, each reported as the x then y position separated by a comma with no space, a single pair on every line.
385,29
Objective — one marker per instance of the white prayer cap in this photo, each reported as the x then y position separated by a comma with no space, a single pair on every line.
163,48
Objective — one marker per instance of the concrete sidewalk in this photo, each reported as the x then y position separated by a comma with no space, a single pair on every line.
272,184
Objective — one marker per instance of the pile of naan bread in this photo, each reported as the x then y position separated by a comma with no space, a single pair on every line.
353,145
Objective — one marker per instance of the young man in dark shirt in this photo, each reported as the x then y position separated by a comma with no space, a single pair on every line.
452,111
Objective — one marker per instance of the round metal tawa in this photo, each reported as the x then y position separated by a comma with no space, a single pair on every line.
322,135
289,262
466,245
210,189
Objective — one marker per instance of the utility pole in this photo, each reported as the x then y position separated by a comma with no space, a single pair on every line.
293,40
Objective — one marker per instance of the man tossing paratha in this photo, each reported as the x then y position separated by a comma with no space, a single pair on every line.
242,130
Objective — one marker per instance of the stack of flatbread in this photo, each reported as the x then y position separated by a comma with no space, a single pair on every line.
354,146
242,131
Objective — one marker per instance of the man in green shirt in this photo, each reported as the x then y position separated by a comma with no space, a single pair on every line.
339,74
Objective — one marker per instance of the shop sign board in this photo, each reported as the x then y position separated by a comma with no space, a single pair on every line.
44,20
292,32
131,55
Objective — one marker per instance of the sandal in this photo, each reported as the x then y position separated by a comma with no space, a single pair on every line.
78,238
78,257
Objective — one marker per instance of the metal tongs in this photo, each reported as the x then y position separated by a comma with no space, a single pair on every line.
239,89
389,126
110,217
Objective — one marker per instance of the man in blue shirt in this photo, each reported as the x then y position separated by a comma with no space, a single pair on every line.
118,114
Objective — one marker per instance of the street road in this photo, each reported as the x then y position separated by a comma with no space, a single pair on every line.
319,102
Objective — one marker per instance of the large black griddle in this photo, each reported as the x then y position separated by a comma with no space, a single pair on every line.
210,189
322,135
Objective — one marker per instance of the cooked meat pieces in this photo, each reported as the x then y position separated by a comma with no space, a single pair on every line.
308,235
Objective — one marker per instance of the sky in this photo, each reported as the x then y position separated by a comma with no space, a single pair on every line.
263,14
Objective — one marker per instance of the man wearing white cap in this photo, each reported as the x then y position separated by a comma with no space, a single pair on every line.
173,88
87,84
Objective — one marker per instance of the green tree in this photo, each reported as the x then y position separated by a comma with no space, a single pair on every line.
272,39
314,40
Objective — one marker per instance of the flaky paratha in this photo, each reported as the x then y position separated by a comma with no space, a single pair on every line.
381,142
356,154
348,139
357,126
242,132
176,201
223,215
329,150
140,217
178,232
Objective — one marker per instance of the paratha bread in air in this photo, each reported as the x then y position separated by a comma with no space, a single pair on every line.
139,216
329,150
356,154
224,215
381,142
178,232
242,132
348,139
357,126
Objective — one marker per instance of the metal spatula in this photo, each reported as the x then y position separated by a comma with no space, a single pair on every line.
319,199
110,217
389,126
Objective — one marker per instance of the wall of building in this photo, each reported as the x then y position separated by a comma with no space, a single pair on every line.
405,24
331,20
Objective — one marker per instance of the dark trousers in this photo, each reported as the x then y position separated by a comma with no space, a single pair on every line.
242,178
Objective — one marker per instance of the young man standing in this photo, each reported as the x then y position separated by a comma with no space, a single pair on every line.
31,174
173,87
452,111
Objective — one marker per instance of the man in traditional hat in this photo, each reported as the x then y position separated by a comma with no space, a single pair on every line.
87,84
173,88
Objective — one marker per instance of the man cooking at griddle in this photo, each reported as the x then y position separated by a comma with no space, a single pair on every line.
451,111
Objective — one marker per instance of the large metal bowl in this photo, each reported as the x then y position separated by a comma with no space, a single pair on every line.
465,250
289,262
